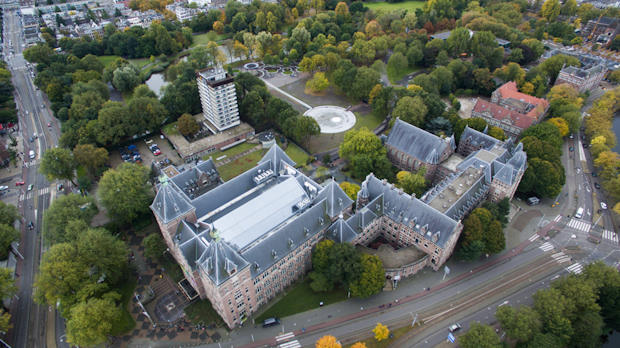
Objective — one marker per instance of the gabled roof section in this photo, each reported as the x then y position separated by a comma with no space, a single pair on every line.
337,200
340,231
417,142
169,204
220,261
477,138
276,155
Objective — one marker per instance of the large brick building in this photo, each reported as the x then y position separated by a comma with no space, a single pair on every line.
584,78
510,109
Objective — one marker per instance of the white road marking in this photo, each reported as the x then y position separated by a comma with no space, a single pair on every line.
575,268
610,235
291,344
534,237
558,218
546,247
579,225
284,337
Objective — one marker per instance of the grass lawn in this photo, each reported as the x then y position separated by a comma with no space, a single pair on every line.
202,311
395,76
126,322
296,154
299,299
233,151
140,62
106,60
240,165
372,342
382,5
368,120
171,128
203,39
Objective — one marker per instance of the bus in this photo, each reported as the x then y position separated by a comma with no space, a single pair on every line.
579,213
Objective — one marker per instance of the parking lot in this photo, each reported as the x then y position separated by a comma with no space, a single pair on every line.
147,156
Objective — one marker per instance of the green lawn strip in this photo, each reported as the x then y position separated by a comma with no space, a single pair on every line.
202,311
171,128
368,120
395,76
126,322
299,299
295,152
233,151
382,5
140,62
203,39
106,60
240,165
373,343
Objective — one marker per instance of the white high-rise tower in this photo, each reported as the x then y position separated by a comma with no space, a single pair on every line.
218,99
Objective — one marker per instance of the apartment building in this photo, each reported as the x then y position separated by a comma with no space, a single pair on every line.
218,98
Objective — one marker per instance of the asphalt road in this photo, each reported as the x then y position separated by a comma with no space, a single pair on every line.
29,318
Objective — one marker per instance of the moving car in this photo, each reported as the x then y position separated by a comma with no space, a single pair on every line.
597,185
31,154
30,187
571,149
20,183
579,213
603,205
454,327
31,225
271,322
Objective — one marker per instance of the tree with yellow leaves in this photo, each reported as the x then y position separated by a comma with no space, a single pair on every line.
381,332
359,345
561,124
328,342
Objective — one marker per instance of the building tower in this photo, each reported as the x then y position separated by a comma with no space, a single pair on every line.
218,99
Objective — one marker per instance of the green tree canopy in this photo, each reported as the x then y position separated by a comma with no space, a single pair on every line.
372,279
91,322
187,125
8,213
124,191
91,157
8,235
62,211
411,110
479,336
154,246
58,163
365,153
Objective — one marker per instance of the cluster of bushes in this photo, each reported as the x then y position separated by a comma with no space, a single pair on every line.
8,112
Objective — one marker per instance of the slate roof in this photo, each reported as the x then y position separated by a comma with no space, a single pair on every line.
220,261
276,155
340,232
337,200
418,143
169,203
477,138
409,210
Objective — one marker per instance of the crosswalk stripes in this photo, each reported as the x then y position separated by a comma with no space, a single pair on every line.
546,247
575,268
285,337
561,257
579,225
29,194
610,235
291,344
558,218
534,237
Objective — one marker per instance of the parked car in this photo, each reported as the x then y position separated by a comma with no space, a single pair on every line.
597,185
271,322
603,205
533,200
155,150
20,183
454,327
4,188
59,187
571,149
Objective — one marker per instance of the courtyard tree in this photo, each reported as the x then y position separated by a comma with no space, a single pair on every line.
187,125
154,246
372,279
381,332
479,336
365,153
8,235
62,211
91,157
58,163
411,110
91,322
328,341
350,189
124,191
412,183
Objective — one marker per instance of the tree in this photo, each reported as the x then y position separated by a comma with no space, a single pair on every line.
542,178
412,183
372,279
521,324
318,83
359,345
154,246
606,281
510,72
62,211
485,49
458,41
187,125
90,156
550,10
411,110
397,64
479,336
126,78
8,214
550,304
328,342
497,133
350,189
58,163
561,124
124,191
365,153
365,79
7,289
381,332
8,235
90,322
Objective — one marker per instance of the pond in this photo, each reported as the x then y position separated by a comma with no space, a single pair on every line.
156,82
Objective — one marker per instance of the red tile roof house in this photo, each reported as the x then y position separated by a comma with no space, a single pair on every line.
510,109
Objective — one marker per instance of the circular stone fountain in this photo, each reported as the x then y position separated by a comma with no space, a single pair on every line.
332,119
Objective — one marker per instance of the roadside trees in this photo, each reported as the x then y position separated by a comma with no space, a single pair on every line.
124,191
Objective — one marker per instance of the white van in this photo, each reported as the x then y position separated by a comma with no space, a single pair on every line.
579,213
31,154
